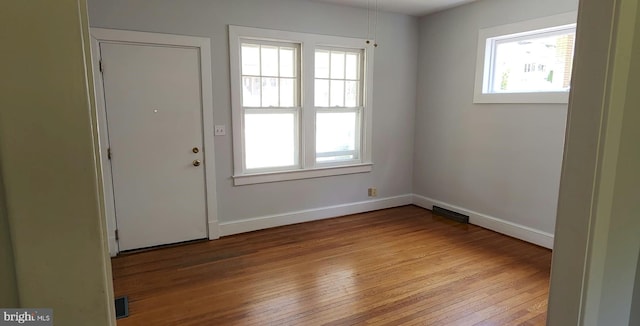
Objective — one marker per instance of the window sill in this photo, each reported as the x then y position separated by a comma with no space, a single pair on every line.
247,179
523,98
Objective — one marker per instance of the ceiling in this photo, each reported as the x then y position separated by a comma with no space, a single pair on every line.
408,7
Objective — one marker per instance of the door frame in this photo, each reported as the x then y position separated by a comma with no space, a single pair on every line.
203,45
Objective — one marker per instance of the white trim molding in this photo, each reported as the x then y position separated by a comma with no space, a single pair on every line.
511,229
239,180
203,45
270,221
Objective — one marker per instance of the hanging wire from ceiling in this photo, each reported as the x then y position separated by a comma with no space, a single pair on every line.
375,22
368,20
375,27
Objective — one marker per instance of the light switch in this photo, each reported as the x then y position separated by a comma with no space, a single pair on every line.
220,130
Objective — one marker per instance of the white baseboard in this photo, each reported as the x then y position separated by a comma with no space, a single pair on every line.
517,231
214,230
113,246
264,222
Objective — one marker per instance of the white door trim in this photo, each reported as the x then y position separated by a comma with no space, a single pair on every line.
203,45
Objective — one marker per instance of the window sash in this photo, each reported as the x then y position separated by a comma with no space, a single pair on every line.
359,75
261,76
358,133
296,138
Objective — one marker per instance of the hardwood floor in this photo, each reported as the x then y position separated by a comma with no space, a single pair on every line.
399,266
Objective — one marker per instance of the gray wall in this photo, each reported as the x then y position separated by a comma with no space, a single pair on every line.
394,90
502,160
8,290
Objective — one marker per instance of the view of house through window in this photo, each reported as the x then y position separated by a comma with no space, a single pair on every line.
539,62
526,62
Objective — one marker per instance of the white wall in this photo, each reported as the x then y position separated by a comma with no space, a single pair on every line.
394,91
498,160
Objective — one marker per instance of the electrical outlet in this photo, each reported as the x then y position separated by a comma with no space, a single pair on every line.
372,192
219,130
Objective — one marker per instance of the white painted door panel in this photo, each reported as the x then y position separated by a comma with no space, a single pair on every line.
154,119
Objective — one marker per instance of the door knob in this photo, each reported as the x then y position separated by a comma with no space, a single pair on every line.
197,162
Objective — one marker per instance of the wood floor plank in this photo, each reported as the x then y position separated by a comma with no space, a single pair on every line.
399,266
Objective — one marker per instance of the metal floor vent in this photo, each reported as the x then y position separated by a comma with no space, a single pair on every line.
450,214
122,307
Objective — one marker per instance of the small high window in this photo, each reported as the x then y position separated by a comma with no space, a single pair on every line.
527,62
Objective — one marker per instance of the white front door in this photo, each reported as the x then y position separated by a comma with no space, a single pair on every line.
154,121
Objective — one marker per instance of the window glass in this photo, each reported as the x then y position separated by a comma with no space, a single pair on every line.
322,93
336,136
337,93
537,63
251,91
269,61
287,62
269,140
251,59
322,64
337,65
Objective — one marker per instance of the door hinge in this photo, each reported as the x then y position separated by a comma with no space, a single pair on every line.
100,66
109,153
117,236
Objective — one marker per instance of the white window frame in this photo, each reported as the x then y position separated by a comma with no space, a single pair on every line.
307,157
487,39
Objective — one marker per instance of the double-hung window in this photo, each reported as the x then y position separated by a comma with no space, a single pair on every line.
301,105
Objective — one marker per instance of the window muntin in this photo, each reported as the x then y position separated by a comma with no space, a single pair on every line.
269,74
540,61
338,78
